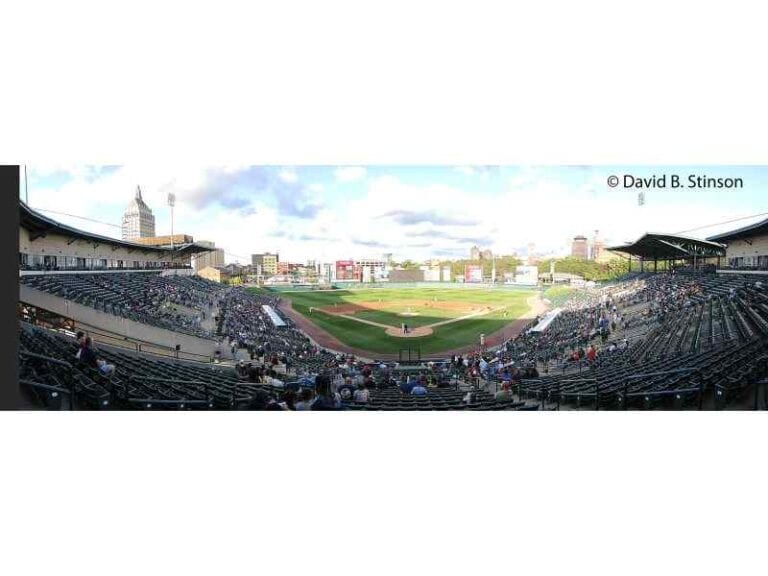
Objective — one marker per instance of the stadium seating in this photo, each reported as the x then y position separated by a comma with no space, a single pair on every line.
148,298
51,375
689,341
661,341
138,382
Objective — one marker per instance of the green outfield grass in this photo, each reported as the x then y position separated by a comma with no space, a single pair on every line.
389,303
558,295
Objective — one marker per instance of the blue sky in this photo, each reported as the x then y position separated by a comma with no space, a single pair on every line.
417,212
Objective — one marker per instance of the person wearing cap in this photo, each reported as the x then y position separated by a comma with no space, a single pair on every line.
505,393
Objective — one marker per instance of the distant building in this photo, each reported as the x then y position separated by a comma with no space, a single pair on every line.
580,248
328,273
138,220
487,255
234,269
214,258
527,275
215,274
530,254
431,272
372,269
597,248
295,269
474,253
267,262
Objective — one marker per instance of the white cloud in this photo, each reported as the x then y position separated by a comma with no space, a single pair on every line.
350,174
481,172
288,175
466,170
425,219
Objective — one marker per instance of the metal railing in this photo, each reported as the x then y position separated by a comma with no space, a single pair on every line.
143,346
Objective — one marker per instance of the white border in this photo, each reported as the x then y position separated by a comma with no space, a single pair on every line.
399,82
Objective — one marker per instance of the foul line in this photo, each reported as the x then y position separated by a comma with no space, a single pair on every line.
435,325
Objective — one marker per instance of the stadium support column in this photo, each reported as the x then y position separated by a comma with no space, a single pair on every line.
655,263
629,263
642,264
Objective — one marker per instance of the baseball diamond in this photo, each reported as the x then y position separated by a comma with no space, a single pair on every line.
439,320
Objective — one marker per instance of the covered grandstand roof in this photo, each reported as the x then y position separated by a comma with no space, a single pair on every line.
39,226
652,246
744,232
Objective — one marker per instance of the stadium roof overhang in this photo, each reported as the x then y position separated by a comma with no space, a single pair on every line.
668,247
756,229
40,226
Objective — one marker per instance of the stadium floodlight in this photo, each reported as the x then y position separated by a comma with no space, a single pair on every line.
172,203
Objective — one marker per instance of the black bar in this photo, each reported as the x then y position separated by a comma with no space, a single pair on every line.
10,181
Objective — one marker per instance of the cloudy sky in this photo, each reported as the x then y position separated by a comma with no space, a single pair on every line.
328,213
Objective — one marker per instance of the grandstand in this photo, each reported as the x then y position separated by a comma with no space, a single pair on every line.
679,337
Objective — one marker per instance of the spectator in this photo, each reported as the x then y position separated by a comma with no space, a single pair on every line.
362,394
418,390
80,341
305,399
89,358
505,393
406,385
326,399
289,399
346,390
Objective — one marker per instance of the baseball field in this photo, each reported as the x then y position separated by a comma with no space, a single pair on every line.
439,320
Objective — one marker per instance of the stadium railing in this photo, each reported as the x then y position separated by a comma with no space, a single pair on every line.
44,268
138,345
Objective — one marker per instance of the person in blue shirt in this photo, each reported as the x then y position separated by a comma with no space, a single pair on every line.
407,386
325,399
418,390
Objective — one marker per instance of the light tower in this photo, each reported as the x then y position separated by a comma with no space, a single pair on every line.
172,203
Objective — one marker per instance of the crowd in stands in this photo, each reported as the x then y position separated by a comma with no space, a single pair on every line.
603,339
243,324
56,368
179,303
652,322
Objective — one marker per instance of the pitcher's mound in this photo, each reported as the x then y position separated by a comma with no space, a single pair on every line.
412,332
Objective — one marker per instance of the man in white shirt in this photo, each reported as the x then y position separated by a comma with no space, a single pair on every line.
361,395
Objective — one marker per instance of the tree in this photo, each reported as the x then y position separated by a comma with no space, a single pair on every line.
587,269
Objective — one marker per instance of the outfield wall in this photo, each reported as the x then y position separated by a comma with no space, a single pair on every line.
400,285
435,285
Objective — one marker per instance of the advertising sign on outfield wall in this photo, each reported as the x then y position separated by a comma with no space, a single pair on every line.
473,273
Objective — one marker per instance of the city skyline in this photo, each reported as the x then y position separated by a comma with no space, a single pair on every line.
416,213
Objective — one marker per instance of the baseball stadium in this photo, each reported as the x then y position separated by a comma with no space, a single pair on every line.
146,322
